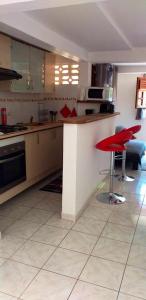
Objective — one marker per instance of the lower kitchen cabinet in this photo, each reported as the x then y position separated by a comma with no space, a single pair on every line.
44,152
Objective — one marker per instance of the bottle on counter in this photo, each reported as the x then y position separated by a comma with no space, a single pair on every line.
3,116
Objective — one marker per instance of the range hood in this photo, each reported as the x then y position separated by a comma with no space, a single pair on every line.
7,74
103,75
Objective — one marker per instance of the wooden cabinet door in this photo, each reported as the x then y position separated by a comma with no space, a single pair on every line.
37,72
58,148
32,155
50,72
43,152
5,52
51,149
5,60
20,63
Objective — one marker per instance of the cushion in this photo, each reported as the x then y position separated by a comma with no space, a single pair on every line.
135,149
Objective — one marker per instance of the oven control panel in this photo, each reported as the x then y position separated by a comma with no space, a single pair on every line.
11,149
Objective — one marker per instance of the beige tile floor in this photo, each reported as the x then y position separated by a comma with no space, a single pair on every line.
100,257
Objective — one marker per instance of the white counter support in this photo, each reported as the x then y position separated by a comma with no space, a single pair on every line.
82,163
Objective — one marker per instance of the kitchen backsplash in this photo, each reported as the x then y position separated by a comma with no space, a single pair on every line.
21,107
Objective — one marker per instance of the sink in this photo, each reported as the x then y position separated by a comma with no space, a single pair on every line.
43,123
34,124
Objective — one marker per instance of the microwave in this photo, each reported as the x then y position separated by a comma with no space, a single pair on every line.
99,93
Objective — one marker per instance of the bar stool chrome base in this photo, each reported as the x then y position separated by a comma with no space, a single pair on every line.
111,198
123,177
126,178
116,198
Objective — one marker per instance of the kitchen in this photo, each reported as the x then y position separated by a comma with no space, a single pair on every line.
35,105
66,244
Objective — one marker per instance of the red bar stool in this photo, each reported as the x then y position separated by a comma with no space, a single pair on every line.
112,144
123,176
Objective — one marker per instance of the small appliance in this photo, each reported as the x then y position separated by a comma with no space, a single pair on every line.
11,128
99,93
107,108
12,165
89,111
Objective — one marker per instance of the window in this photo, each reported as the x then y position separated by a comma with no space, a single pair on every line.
66,74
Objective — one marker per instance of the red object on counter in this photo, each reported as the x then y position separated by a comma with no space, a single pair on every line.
3,116
73,113
65,111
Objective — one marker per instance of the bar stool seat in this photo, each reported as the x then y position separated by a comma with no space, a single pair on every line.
112,144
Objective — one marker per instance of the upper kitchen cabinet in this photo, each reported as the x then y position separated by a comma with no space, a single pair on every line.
5,51
37,69
20,63
50,59
29,62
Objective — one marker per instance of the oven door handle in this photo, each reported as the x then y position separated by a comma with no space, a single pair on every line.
2,161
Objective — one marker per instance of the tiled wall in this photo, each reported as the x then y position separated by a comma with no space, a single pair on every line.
20,107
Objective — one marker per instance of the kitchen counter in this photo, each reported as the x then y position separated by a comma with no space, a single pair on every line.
82,162
32,128
59,123
89,118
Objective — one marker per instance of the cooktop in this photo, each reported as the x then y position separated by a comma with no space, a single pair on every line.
11,128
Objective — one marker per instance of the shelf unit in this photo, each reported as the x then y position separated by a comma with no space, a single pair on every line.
140,93
92,101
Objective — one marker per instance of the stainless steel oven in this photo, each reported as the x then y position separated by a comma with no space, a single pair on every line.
12,165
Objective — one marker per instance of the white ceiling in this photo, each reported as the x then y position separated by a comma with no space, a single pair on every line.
112,30
83,24
87,26
130,15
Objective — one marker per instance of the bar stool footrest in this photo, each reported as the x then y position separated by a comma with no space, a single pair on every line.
112,198
125,178
115,198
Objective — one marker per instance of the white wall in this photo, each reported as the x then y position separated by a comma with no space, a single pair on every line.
21,106
126,92
82,163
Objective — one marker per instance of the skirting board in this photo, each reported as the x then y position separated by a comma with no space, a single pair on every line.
75,217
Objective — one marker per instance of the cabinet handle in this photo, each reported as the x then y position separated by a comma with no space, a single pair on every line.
38,138
28,85
32,85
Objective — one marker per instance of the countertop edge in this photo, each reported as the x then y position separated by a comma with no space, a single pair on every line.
74,120
30,129
89,118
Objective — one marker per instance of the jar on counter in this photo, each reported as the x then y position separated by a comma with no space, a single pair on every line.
3,116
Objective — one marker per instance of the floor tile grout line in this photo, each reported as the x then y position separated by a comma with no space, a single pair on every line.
72,289
86,261
84,266
129,253
102,286
133,296
21,219
58,247
25,240
44,264
61,241
9,295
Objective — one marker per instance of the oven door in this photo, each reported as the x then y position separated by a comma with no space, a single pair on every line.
12,170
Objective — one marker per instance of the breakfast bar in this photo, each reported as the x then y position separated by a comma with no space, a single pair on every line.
81,161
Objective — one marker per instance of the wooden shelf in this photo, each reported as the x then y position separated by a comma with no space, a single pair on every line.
89,118
92,101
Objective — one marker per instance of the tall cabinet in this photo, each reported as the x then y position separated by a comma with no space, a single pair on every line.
29,62
5,51
5,60
20,63
37,69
